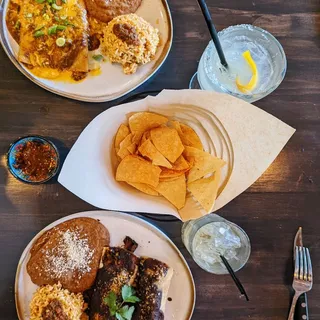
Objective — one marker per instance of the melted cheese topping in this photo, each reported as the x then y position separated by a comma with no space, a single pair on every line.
41,26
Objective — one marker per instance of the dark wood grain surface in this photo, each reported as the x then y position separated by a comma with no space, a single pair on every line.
285,197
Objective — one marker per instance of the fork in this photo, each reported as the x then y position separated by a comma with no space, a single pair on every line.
303,278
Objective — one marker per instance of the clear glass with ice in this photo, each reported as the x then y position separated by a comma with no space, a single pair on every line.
211,236
265,50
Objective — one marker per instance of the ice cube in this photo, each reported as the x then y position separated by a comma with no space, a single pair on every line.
213,240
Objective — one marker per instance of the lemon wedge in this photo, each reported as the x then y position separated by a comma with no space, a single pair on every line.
254,79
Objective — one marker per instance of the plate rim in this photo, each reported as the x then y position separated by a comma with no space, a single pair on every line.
101,98
88,214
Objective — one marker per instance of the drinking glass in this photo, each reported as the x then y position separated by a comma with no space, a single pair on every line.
265,50
208,237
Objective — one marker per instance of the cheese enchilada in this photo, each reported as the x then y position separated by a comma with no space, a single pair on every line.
54,37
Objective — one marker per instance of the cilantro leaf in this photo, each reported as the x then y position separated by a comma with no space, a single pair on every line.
132,299
126,312
122,312
119,316
111,301
127,292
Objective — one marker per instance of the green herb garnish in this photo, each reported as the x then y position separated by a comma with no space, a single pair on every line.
98,57
63,20
64,1
17,25
125,313
121,311
111,302
38,34
53,29
39,28
56,7
67,23
60,42
40,1
44,10
128,294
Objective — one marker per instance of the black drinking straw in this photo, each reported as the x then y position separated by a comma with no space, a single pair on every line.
213,32
234,277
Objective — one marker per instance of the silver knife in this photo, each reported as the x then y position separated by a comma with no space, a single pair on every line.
301,312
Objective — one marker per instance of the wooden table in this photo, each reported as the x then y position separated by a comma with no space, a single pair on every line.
284,198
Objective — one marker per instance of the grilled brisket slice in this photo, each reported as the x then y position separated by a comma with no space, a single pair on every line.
153,287
130,244
118,267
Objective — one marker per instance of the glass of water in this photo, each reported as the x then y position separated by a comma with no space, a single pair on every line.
265,50
211,236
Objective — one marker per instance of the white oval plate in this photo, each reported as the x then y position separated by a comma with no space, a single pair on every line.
112,83
152,242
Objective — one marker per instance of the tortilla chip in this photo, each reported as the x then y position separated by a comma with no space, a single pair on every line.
132,148
169,173
147,149
142,121
181,164
209,166
122,132
191,161
145,137
187,135
123,151
174,191
136,169
205,190
176,125
168,142
136,137
144,188
203,163
169,178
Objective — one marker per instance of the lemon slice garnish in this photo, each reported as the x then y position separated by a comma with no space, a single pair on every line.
254,79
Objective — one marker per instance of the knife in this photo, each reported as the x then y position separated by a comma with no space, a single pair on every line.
301,312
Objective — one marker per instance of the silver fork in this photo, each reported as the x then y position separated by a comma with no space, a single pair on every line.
302,279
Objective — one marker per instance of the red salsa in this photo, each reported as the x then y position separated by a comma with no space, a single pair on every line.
35,160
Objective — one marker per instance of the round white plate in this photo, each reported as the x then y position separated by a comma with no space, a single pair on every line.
152,242
112,83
